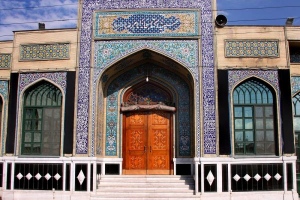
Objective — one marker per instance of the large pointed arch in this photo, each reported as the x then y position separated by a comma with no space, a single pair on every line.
112,58
124,74
1,116
296,105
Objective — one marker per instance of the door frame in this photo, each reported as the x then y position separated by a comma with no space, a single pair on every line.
171,146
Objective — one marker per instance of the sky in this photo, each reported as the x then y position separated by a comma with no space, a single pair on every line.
26,14
259,12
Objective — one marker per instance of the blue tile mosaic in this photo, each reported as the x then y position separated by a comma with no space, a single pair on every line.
237,76
4,96
207,57
107,53
146,23
295,84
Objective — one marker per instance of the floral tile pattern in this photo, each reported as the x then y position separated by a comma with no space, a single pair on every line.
57,51
251,48
60,78
5,60
236,76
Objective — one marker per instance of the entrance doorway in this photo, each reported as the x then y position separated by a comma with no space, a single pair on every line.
146,143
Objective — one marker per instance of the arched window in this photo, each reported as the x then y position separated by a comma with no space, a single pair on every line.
41,131
254,119
296,103
1,108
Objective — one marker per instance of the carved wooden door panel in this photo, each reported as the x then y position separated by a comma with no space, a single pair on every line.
159,143
135,143
146,143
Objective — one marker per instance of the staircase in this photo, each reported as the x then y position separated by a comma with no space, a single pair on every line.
150,187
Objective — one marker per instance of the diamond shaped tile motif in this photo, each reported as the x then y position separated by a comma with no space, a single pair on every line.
57,176
81,177
19,176
236,177
277,177
38,176
247,177
47,176
41,176
267,177
257,177
28,176
210,178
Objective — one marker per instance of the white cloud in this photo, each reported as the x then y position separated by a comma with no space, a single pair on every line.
54,13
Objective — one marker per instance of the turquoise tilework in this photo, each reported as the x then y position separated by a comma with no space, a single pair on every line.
295,84
108,53
4,95
85,142
184,51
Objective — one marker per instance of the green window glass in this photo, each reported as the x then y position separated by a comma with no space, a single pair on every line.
253,112
296,103
1,107
41,131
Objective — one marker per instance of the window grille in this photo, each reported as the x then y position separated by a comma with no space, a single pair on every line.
42,120
296,104
254,119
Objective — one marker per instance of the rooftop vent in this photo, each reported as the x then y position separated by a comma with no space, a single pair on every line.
42,26
289,21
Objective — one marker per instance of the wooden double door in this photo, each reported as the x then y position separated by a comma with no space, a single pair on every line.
146,143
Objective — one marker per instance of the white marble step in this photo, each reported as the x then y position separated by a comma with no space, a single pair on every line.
139,178
145,190
143,196
145,187
146,181
148,185
146,198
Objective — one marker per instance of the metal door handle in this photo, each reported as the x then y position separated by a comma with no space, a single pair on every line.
150,149
145,149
